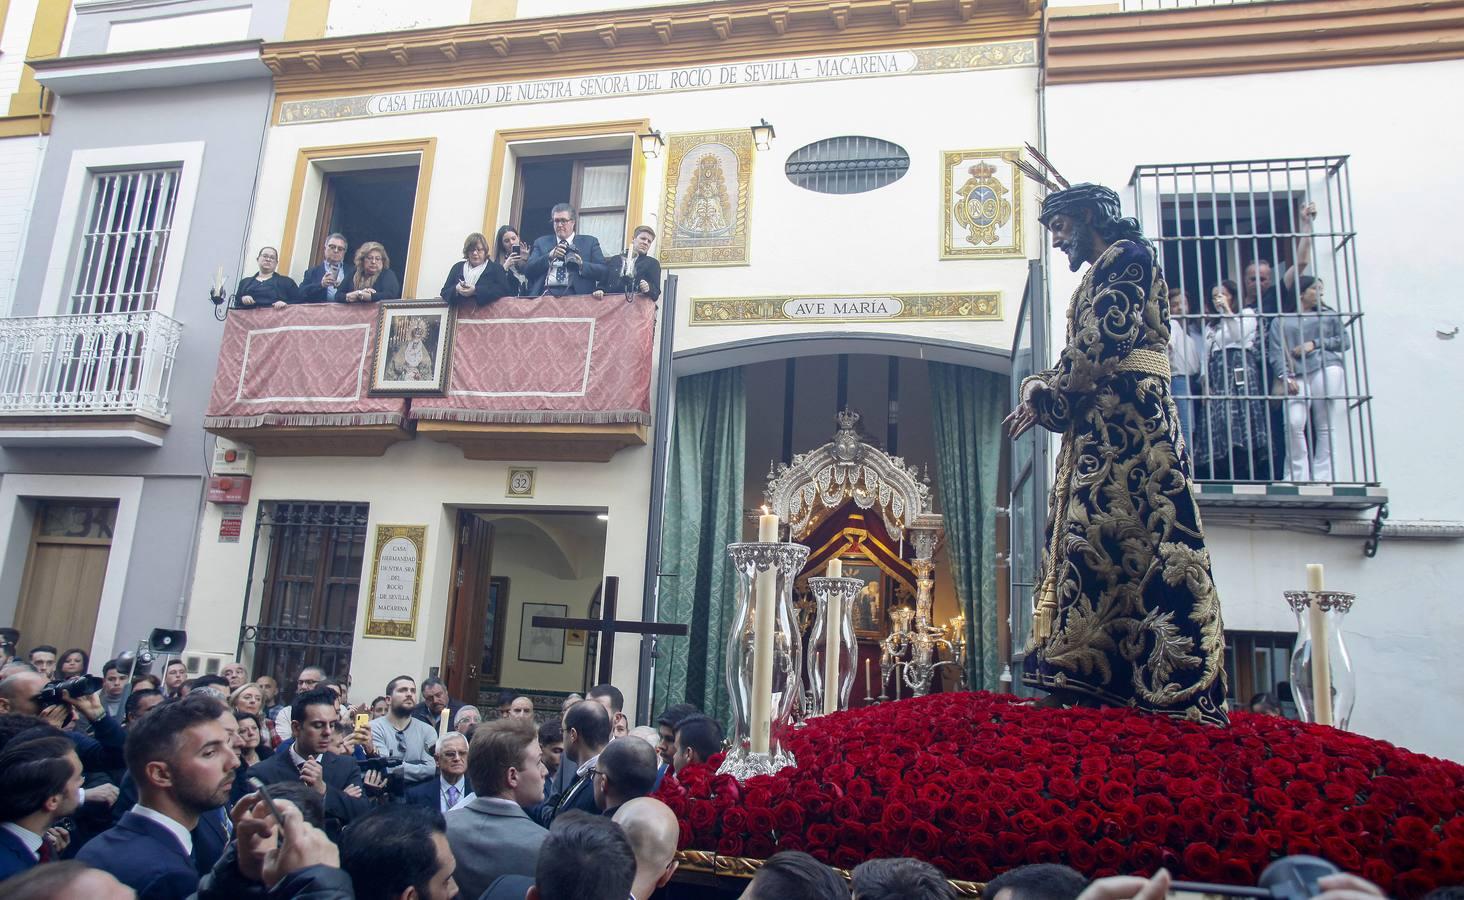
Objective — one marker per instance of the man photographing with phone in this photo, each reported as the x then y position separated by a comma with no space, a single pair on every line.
565,262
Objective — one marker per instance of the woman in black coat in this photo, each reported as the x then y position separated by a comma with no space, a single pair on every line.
476,277
374,279
513,255
266,287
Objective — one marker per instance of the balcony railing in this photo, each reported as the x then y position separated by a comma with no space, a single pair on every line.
102,366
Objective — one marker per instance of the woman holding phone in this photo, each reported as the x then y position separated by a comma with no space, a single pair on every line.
513,255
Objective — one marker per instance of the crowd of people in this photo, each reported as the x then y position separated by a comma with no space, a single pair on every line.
1259,373
211,787
560,263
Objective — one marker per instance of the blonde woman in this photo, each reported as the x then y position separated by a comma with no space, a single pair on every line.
247,698
374,280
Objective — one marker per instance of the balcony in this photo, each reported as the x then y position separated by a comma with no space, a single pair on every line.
546,378
96,380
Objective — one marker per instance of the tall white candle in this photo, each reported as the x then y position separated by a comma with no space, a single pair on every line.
832,643
765,600
1321,659
442,725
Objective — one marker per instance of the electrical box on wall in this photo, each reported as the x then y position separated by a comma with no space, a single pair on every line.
229,489
232,459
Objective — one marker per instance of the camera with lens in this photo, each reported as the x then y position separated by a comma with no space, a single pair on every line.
382,764
55,693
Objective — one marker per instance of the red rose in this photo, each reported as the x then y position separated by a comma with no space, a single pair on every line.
1110,852
702,814
730,845
1111,795
858,790
734,820
787,816
1237,871
924,839
1146,857
760,821
1201,861
760,847
791,842
821,835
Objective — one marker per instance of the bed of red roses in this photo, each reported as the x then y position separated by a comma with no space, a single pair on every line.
978,783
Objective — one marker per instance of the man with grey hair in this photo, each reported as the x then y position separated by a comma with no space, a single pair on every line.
450,789
321,283
565,262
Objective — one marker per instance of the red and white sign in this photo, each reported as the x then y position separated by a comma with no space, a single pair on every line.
231,525
228,489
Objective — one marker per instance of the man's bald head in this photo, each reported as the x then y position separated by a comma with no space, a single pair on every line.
653,832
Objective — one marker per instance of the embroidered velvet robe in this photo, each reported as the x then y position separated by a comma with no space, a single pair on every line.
1127,612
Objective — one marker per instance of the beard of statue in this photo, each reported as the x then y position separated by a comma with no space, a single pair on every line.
1080,249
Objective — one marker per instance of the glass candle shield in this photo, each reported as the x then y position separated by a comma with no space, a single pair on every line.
1312,607
836,595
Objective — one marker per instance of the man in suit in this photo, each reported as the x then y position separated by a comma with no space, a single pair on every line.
564,262
401,852
40,781
434,701
322,283
584,858
645,276
586,732
309,761
181,759
493,836
625,770
698,739
451,786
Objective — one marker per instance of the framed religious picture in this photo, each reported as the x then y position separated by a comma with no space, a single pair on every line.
541,645
707,195
413,343
981,204
868,612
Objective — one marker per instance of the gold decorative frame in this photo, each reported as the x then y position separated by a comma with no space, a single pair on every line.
1003,235
772,310
680,249
394,629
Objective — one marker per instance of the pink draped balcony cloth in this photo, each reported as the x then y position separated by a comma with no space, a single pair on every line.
549,360
305,365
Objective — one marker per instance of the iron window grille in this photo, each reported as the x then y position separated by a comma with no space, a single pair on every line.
129,221
1280,393
1030,470
308,588
847,165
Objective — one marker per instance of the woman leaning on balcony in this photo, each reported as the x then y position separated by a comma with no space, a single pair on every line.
266,287
374,279
476,277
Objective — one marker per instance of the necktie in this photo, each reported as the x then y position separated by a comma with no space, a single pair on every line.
44,854
452,796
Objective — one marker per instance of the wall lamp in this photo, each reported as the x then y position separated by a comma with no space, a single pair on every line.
762,135
652,143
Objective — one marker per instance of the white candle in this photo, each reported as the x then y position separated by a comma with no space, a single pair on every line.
868,687
765,600
832,644
1321,663
442,726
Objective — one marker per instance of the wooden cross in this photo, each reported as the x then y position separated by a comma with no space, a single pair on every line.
608,626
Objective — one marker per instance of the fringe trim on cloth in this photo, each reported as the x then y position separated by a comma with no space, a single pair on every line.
534,417
305,420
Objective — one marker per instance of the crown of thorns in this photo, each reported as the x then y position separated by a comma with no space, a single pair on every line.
1068,198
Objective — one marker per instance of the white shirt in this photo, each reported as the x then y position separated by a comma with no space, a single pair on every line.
462,789
558,271
173,826
1233,331
1186,349
31,840
336,269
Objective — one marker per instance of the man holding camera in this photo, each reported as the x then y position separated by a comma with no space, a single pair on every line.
29,694
337,779
564,262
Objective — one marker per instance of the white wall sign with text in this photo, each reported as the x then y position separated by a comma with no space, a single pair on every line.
396,582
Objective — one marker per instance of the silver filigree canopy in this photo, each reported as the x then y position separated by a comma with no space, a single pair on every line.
847,468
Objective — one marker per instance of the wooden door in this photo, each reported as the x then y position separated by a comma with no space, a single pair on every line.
62,586
472,572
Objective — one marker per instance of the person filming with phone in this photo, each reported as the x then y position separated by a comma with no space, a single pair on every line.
565,262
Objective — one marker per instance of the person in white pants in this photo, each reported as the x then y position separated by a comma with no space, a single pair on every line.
1309,345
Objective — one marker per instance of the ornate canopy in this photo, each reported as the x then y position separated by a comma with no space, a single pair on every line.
844,469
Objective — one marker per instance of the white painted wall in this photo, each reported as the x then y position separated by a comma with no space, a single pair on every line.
13,43
1405,625
19,159
190,29
418,483
374,16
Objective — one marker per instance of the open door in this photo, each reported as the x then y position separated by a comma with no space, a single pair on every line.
471,583
1028,472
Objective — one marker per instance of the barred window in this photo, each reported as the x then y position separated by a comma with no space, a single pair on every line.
847,165
1266,342
128,223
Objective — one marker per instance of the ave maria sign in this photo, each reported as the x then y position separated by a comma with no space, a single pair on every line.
985,306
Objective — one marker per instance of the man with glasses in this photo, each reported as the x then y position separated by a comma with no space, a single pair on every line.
334,273
310,678
564,262
450,788
400,735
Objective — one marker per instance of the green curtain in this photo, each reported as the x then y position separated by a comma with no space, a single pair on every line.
967,406
703,515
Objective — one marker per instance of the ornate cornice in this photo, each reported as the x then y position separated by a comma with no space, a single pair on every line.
701,34
1084,45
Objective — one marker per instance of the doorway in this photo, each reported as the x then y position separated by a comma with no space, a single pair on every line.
597,185
511,565
61,590
370,205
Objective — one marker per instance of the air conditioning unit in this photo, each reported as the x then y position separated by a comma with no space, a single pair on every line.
198,663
